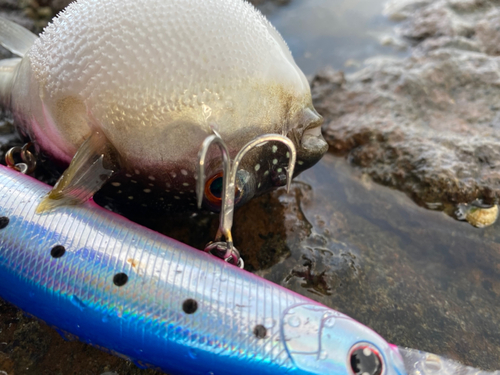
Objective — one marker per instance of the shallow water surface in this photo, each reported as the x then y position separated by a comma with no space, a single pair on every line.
341,33
418,277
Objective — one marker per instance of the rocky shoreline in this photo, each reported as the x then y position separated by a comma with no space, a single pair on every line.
427,124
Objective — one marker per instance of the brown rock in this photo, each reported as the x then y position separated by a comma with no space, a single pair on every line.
488,32
276,2
428,124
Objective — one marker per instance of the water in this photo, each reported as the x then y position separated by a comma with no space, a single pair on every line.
341,33
418,277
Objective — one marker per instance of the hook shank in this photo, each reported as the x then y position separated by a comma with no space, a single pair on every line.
230,170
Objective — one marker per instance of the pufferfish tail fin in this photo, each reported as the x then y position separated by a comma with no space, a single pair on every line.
8,68
15,38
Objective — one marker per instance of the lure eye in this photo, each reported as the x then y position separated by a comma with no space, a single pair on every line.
214,188
365,359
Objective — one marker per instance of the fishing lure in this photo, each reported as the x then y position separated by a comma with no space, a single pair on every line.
120,286
160,303
125,92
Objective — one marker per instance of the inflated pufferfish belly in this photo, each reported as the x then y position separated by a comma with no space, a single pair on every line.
144,82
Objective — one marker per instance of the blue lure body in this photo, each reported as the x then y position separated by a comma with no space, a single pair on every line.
160,303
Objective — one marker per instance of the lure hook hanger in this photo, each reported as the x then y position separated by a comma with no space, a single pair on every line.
28,164
230,169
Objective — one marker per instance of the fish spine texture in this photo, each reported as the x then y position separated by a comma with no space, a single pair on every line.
164,72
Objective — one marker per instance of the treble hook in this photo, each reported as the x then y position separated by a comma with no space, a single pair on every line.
230,170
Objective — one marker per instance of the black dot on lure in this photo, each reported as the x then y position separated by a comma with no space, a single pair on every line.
120,279
4,221
190,306
260,331
364,360
57,251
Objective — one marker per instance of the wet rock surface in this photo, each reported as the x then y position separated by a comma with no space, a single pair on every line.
262,2
427,124
268,6
416,276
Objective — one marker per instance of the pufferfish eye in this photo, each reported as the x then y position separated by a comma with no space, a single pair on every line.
364,359
214,188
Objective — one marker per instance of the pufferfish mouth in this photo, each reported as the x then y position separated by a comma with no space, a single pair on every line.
311,146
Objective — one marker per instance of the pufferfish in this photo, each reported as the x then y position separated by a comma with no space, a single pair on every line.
125,92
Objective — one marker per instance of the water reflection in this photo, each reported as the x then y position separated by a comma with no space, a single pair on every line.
418,277
342,33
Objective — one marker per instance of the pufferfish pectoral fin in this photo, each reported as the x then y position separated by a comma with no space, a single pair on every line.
93,164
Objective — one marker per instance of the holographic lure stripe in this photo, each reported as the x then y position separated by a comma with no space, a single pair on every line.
117,285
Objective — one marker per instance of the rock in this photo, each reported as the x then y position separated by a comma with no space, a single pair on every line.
14,11
422,20
30,344
434,21
488,32
58,5
262,2
399,10
427,124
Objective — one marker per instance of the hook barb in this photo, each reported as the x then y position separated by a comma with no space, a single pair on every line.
227,209
263,139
